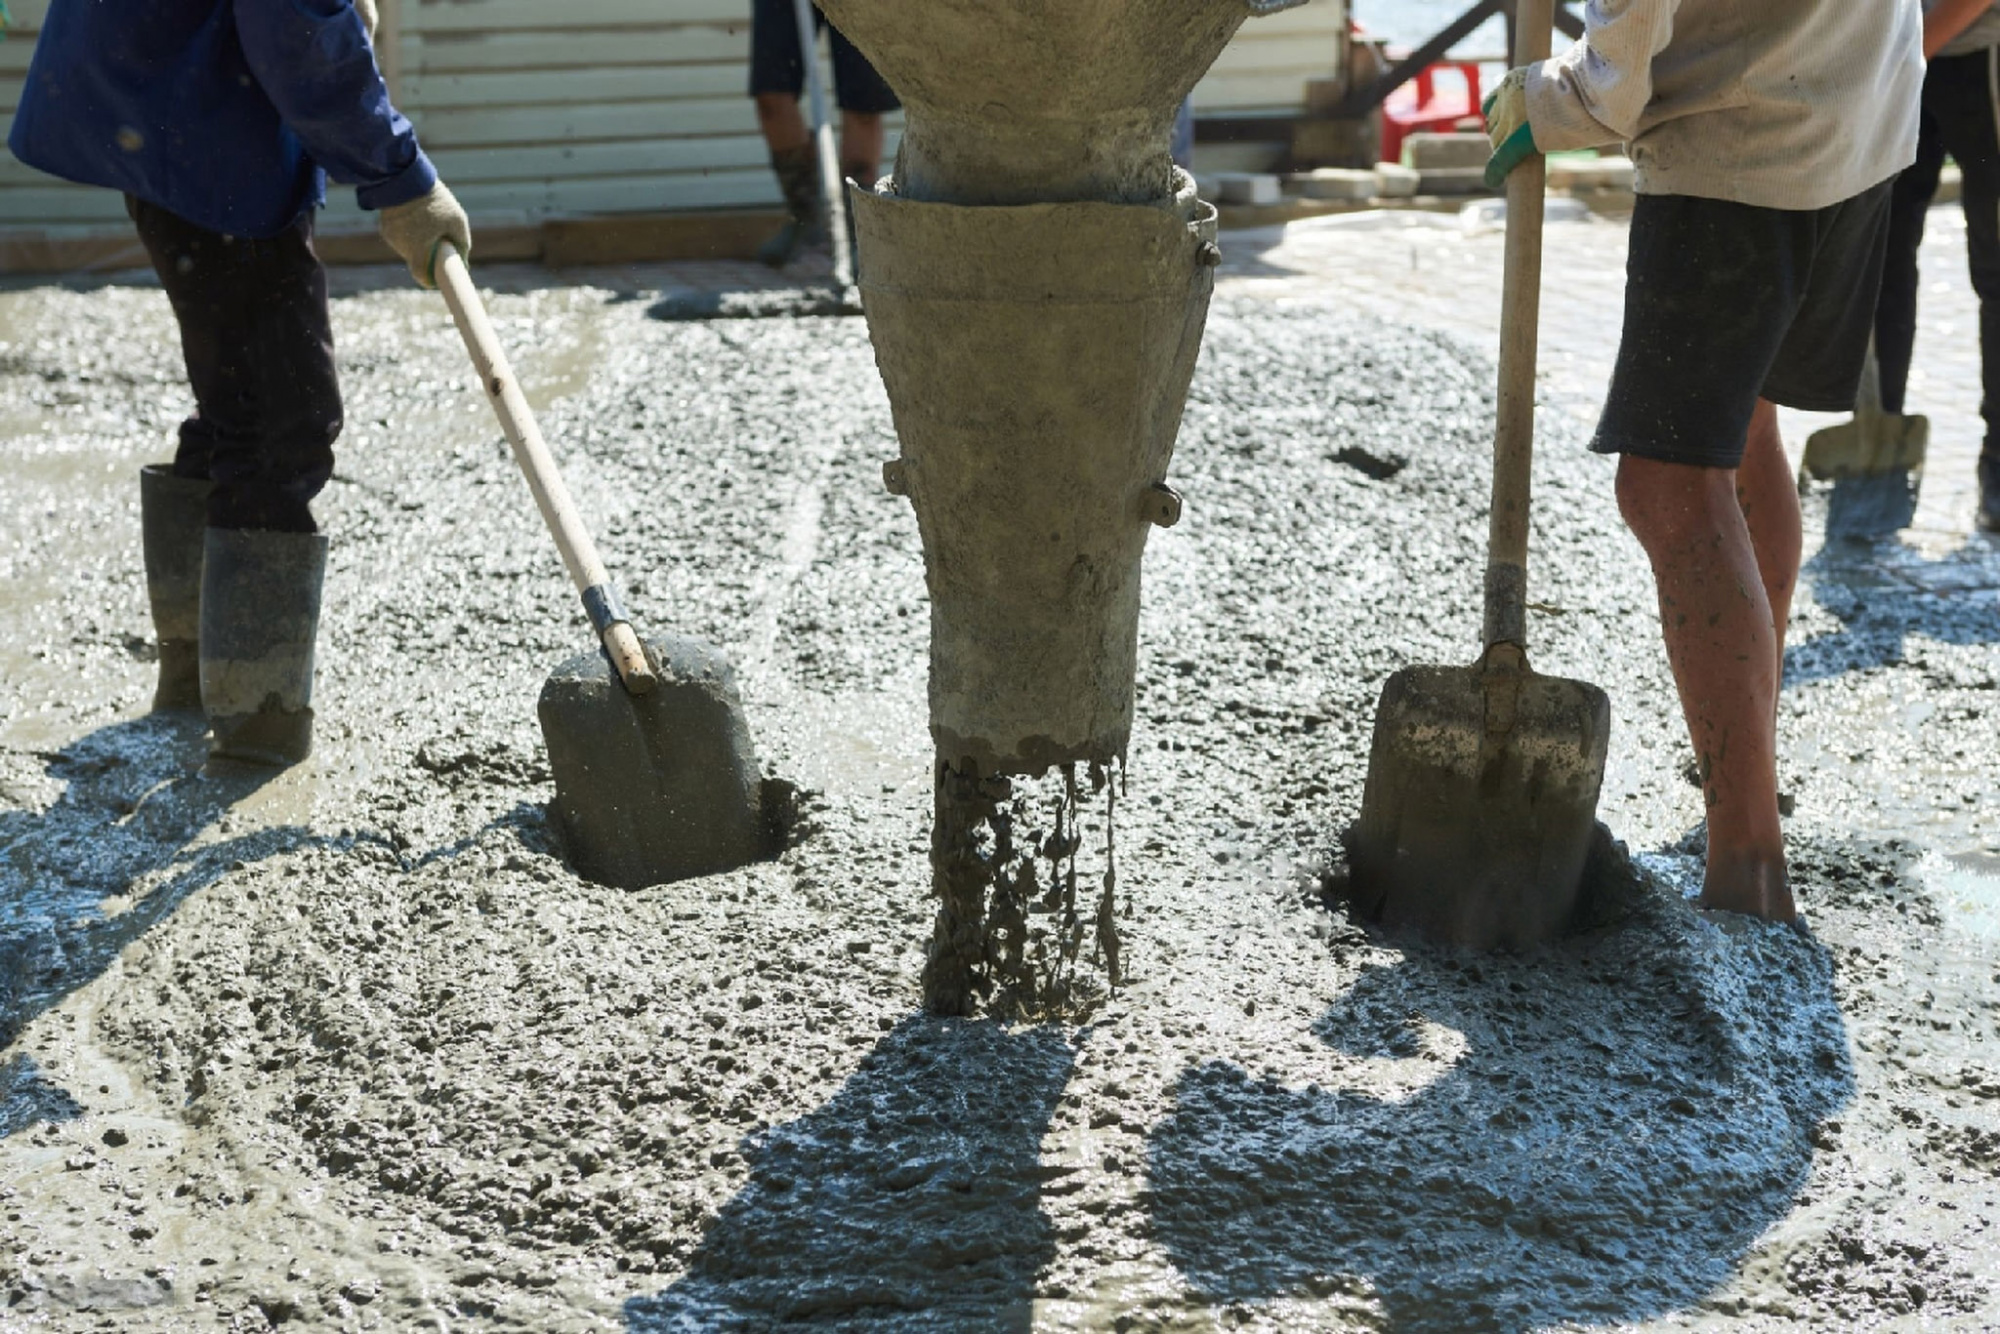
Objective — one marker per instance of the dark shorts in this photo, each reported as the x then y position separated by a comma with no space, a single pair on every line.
775,66
1726,303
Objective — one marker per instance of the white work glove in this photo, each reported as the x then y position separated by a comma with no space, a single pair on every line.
371,18
416,229
1506,113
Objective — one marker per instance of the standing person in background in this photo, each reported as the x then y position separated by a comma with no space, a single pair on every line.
1961,117
777,78
220,122
1765,140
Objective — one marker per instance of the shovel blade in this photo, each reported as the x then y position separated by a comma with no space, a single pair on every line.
1872,445
657,787
1474,831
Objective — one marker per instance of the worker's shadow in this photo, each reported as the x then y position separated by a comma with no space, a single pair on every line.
1885,594
909,1201
132,803
1595,1137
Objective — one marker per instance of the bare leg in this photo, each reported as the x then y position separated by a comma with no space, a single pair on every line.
784,126
1770,500
1716,618
861,137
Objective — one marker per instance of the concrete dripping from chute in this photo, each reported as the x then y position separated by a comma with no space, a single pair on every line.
1036,287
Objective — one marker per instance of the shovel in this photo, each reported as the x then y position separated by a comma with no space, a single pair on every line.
1875,463
829,165
654,774
1481,798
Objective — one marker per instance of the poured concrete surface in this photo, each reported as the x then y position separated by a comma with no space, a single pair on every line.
354,1050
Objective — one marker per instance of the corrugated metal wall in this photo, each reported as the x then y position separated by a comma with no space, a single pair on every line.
535,110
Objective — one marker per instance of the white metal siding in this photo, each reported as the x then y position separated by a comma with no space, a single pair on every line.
533,110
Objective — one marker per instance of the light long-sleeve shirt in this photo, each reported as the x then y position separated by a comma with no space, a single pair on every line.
1983,32
1791,104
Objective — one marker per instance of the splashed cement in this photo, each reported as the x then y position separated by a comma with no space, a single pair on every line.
355,1050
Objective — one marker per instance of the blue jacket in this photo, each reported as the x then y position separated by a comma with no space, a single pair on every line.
230,113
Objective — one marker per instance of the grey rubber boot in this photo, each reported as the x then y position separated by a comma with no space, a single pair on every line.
173,516
797,170
260,594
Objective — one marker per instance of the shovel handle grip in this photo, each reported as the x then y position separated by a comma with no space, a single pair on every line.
531,452
1520,312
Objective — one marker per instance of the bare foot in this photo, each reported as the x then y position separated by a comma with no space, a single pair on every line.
1753,886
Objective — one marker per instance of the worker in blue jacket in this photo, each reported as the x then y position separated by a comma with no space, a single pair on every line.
220,121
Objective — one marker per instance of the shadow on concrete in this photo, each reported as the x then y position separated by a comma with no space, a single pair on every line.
133,803
1591,1137
1884,594
910,1201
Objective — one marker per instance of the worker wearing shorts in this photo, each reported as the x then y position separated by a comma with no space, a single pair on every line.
1764,140
777,79
1961,117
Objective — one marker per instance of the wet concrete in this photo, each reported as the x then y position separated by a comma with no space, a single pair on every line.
355,1050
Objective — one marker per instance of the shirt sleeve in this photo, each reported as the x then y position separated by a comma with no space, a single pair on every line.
1596,92
313,60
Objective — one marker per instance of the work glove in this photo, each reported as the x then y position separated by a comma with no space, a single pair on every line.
1506,112
416,229
371,18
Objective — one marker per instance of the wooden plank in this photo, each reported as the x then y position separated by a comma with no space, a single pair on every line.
446,92
1316,16
487,126
664,44
1250,92
622,194
621,157
1283,57
520,15
54,203
706,235
28,16
69,251
13,171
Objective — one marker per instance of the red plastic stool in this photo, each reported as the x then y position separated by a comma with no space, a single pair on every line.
1419,105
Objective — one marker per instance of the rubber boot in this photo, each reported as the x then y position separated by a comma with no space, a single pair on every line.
798,180
260,594
173,515
1988,518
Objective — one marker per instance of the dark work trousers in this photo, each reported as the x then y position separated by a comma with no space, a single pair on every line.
1961,117
258,343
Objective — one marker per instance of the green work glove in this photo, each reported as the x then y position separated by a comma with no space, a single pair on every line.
370,17
416,229
1506,112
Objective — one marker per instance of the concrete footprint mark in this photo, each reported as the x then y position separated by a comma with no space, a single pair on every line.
1610,1131
908,1202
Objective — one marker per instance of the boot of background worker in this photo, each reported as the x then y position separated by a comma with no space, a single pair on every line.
266,102
777,78
1960,118
1763,161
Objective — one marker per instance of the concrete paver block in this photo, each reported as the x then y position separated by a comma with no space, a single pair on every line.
1393,180
1444,152
1333,183
1452,180
1248,187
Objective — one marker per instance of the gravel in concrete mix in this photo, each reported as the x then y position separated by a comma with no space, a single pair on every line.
351,1047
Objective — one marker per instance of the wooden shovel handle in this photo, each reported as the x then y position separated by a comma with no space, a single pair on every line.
1520,312
579,553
